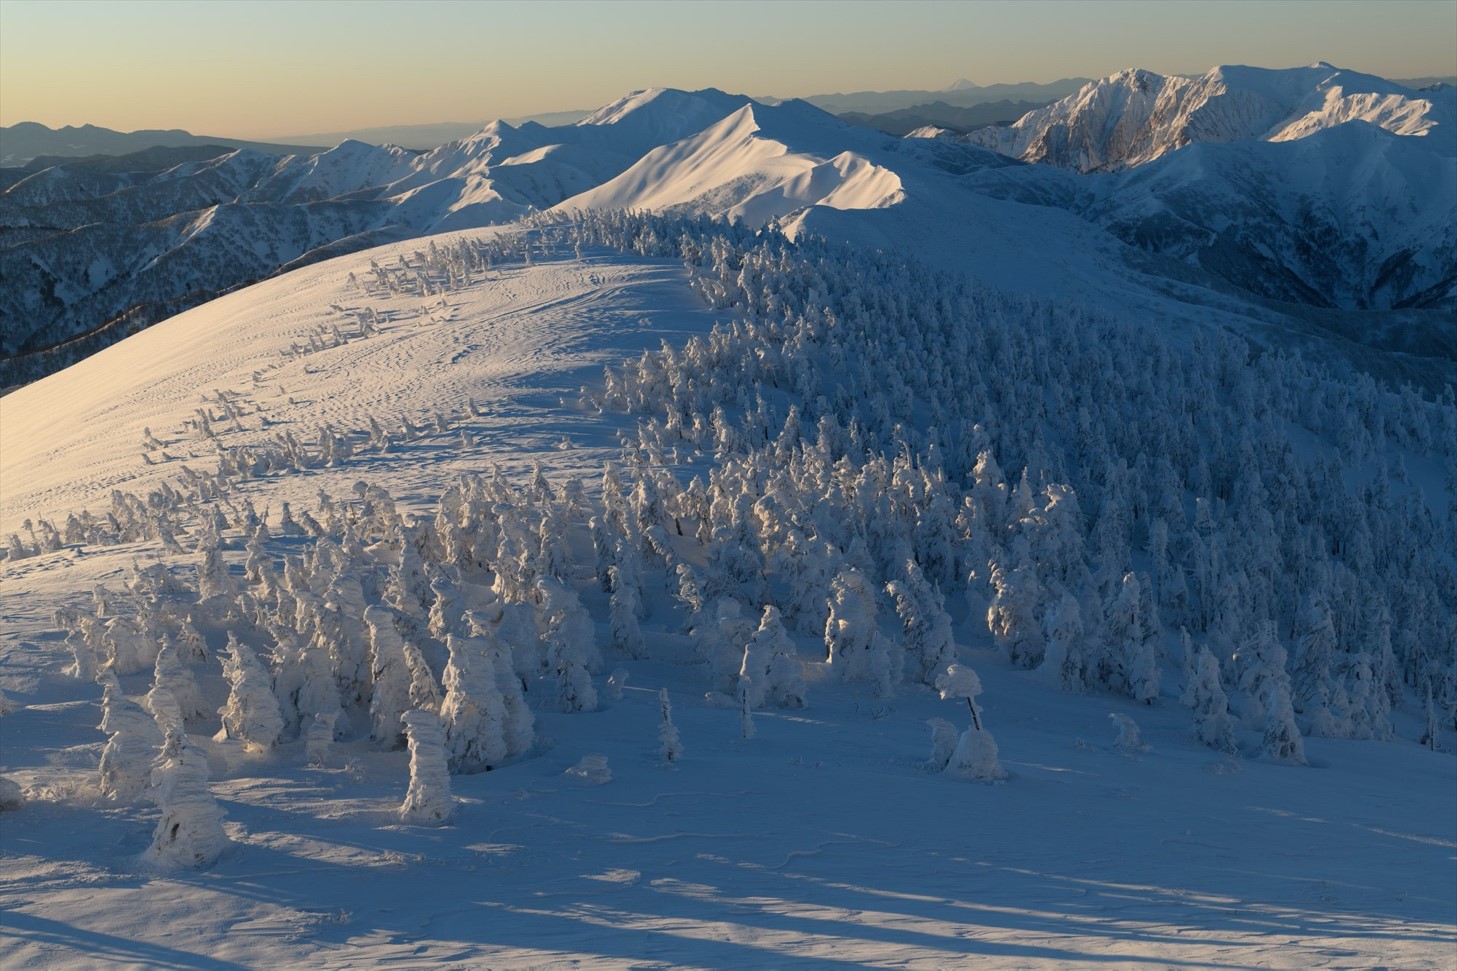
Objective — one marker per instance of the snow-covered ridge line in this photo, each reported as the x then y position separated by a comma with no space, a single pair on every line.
1342,220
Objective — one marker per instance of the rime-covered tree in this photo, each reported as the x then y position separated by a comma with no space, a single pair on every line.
172,671
625,606
1268,707
746,709
126,647
1312,676
925,625
1064,662
428,801
670,746
251,714
944,737
303,683
1281,739
772,665
719,634
132,743
391,677
517,722
190,831
851,628
1012,616
1205,695
571,650
975,755
1129,739
473,709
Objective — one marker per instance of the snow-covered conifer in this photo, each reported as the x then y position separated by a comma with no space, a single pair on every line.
473,709
428,800
670,745
391,677
851,628
319,737
1129,739
925,624
342,630
126,647
175,679
719,634
84,638
213,579
1213,725
133,741
625,606
1282,741
1190,661
1123,640
1431,723
251,714
746,708
190,830
1012,617
1263,662
1065,662
688,593
944,737
517,722
304,684
1313,673
772,666
975,756
571,649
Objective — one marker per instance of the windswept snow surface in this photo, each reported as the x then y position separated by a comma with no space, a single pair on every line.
515,343
820,842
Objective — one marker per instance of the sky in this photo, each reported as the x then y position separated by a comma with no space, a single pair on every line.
267,69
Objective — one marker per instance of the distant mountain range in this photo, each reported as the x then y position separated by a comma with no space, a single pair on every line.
1311,206
939,114
28,140
425,137
962,94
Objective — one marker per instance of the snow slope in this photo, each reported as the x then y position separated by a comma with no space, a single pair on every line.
821,841
67,442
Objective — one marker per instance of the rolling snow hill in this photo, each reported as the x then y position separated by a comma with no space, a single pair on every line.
692,612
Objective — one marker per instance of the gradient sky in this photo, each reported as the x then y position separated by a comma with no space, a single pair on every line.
268,69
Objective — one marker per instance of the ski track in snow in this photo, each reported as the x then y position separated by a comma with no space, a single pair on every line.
818,843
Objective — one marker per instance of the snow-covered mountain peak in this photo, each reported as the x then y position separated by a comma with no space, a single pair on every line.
1135,115
666,113
737,169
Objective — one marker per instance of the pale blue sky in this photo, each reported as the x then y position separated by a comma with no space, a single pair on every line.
262,69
